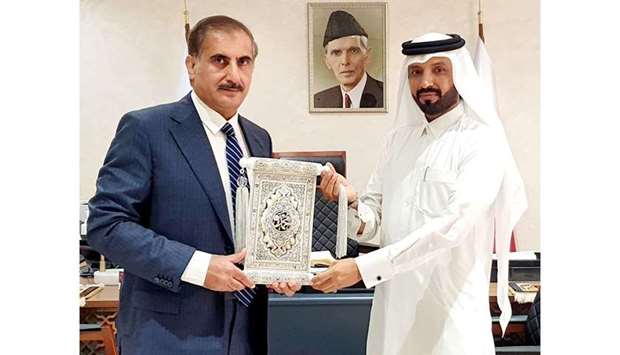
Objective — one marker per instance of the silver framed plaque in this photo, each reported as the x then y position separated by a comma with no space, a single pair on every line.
279,220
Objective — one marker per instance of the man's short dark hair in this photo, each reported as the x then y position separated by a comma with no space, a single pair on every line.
215,23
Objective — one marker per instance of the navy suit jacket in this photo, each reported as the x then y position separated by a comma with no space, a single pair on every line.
159,198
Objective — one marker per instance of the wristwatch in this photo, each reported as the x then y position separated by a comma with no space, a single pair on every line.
353,204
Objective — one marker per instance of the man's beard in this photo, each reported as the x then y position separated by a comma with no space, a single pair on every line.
445,102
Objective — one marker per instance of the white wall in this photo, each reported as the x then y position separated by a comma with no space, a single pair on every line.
132,57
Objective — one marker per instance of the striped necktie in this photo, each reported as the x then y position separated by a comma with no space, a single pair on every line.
233,155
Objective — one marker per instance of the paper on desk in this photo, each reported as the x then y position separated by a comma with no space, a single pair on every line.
323,257
520,255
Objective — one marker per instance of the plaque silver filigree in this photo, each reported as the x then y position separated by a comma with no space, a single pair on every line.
281,212
280,221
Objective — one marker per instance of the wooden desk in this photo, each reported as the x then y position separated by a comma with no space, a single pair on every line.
108,297
103,308
517,308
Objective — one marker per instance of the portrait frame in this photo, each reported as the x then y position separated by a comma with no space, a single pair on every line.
372,16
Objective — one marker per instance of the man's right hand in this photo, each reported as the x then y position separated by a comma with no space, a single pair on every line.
224,276
330,185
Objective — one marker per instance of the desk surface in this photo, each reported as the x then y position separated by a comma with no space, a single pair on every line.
108,297
103,308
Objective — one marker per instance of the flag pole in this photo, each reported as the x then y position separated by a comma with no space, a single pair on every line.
513,244
186,18
480,26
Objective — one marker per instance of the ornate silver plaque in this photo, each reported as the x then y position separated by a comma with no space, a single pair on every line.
281,210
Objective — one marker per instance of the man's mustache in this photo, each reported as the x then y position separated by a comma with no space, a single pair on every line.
427,90
231,86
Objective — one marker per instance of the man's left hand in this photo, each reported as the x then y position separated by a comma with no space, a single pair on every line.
286,288
343,273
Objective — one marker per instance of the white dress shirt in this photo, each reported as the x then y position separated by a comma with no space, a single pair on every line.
356,93
196,270
432,193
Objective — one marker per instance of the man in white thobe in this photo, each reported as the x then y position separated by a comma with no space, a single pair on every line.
446,188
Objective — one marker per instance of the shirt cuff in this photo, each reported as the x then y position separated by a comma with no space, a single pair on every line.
366,215
196,270
356,217
375,267
353,223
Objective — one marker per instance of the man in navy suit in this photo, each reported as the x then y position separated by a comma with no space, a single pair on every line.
164,209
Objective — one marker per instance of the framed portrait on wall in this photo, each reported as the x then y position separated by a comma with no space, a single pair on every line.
347,57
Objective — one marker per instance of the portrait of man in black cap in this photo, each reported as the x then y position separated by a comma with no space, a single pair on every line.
347,55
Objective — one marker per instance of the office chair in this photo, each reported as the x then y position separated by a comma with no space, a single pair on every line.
325,223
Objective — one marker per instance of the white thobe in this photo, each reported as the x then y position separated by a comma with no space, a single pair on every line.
432,194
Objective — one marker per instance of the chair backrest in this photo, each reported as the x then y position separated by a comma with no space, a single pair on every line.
533,321
325,224
338,158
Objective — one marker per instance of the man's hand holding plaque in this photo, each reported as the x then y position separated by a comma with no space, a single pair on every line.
343,273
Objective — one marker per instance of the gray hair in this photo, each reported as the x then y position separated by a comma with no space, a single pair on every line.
363,41
215,23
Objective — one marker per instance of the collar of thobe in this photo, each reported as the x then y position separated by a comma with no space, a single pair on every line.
356,93
440,124
211,119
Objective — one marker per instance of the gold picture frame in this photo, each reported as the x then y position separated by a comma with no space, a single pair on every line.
331,73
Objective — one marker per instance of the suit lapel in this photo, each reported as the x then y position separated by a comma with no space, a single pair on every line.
192,140
257,147
338,96
371,96
368,96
